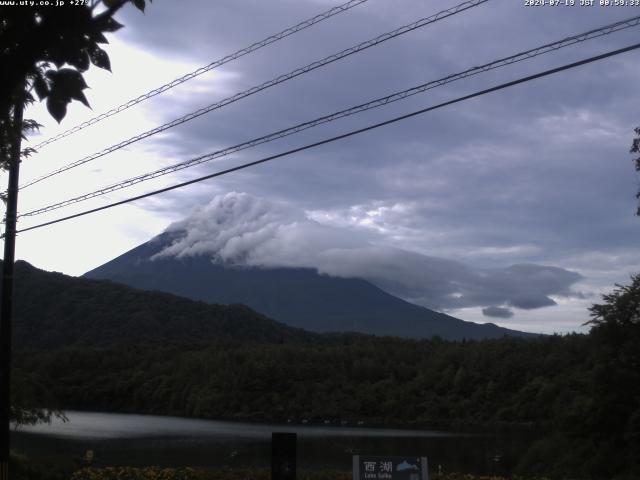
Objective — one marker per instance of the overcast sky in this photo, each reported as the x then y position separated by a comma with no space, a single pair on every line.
516,207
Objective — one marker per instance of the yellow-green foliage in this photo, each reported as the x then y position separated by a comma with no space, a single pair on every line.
157,473
466,476
131,473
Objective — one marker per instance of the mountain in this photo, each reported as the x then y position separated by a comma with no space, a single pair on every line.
298,297
53,310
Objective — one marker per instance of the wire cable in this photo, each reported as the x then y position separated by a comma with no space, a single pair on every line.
344,135
215,64
275,81
379,102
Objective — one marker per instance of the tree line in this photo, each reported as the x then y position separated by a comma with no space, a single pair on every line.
580,394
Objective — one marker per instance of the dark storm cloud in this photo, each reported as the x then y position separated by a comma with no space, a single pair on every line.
497,312
529,176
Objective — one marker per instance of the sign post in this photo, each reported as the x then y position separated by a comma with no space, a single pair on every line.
390,468
283,456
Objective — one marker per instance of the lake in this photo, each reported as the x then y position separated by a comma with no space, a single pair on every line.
140,440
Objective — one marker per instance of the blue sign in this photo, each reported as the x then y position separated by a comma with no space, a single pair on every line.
390,468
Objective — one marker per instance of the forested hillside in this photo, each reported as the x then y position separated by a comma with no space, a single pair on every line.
379,381
167,355
53,310
575,392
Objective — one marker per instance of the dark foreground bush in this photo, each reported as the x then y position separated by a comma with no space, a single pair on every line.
157,473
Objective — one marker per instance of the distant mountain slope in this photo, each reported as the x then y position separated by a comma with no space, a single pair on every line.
296,296
52,310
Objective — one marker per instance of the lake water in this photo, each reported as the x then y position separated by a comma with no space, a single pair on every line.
140,440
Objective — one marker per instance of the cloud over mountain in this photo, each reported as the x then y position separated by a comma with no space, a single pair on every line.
497,312
242,230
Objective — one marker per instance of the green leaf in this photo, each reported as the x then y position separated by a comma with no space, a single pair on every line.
81,61
99,58
30,125
66,84
68,80
139,4
57,107
57,60
99,37
41,87
81,98
27,152
110,25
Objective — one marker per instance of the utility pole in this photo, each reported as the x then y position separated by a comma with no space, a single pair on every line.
6,305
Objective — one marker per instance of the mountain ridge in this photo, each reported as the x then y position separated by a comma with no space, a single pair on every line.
53,310
299,297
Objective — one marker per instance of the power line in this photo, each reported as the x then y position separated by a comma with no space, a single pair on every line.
344,135
275,81
217,63
595,33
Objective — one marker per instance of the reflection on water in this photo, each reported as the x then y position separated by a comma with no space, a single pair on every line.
139,440
115,425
